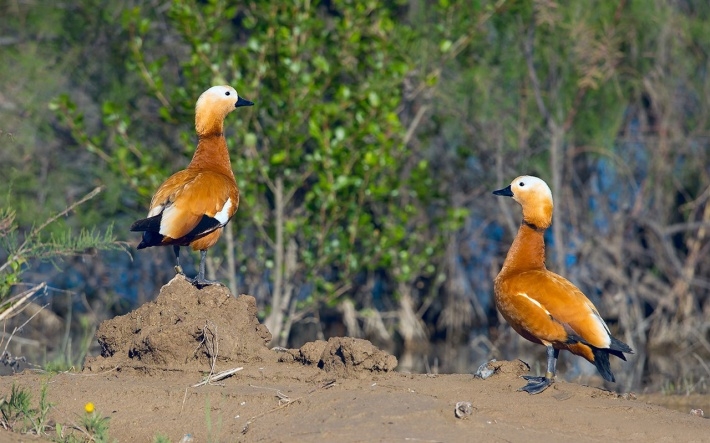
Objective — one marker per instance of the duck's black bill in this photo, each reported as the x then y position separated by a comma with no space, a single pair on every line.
243,102
505,192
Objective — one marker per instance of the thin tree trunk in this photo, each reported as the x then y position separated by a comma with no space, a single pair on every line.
411,328
231,259
557,135
288,291
274,321
682,292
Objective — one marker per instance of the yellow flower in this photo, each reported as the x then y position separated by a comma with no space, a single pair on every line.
89,407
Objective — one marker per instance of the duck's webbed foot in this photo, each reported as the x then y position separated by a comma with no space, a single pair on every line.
536,384
200,281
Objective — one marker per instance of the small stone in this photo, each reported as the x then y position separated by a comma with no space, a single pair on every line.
483,371
463,409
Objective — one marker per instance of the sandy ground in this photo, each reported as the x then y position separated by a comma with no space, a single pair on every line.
343,390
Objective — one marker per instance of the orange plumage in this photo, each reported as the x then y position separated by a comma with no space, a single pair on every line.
193,205
542,306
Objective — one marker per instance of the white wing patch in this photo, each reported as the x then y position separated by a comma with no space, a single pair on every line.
535,302
155,211
168,220
170,217
223,215
604,329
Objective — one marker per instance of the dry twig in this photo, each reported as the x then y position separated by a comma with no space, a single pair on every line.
217,377
211,345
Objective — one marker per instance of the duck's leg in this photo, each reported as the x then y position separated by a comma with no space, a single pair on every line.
538,384
200,281
178,268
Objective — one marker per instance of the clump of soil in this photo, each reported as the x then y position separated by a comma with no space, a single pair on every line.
343,356
509,368
185,328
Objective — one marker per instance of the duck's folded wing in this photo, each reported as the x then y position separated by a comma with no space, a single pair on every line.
193,203
550,300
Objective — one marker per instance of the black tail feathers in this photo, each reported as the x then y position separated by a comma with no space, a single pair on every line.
601,357
150,228
151,238
601,361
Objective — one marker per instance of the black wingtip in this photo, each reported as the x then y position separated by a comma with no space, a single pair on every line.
137,226
147,224
620,346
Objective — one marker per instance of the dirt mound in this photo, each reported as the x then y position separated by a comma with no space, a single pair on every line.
343,356
185,328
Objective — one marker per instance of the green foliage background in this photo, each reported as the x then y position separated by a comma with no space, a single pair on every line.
366,164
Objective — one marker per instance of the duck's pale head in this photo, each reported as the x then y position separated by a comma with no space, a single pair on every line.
214,104
534,196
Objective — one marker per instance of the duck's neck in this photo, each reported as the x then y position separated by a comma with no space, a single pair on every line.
211,152
527,251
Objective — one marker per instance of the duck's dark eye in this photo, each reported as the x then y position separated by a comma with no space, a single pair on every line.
226,93
521,184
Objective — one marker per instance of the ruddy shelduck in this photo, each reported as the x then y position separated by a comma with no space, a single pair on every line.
192,206
542,306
